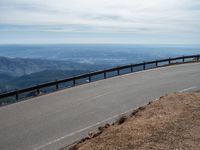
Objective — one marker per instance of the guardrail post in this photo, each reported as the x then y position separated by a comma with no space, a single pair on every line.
156,63
131,68
57,86
144,66
183,59
38,91
169,60
198,57
104,74
74,82
118,72
17,95
89,77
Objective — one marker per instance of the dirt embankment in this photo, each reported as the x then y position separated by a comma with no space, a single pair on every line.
172,122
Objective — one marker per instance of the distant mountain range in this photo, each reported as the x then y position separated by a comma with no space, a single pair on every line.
18,73
26,65
10,82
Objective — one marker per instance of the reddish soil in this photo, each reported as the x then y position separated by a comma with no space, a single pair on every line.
172,122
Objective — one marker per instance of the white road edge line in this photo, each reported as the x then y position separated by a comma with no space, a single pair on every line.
98,123
188,89
91,126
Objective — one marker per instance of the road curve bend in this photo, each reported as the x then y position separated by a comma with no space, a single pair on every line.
52,121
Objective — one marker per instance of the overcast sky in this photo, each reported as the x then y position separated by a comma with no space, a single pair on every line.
100,21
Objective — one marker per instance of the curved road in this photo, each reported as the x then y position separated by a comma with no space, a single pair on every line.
54,120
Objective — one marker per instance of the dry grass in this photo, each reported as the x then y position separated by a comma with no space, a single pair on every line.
173,122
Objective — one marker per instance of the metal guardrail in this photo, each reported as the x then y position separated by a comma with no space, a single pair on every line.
16,93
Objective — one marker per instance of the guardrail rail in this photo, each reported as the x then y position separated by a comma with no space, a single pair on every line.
15,95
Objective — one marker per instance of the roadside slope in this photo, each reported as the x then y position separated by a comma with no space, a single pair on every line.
172,122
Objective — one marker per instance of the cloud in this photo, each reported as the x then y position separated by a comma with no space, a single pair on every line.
181,17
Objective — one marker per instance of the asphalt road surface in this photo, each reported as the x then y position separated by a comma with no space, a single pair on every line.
54,120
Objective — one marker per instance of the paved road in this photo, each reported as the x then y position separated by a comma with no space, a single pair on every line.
54,120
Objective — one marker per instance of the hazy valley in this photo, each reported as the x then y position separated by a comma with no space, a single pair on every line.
26,65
